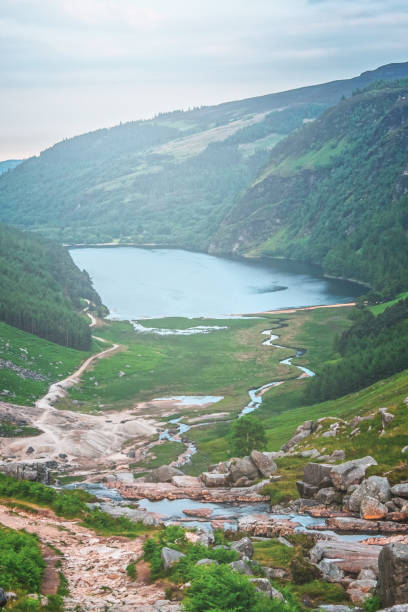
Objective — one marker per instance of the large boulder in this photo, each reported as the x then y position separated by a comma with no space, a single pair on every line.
329,496
213,479
169,557
243,469
400,490
306,490
393,570
372,509
377,487
350,472
317,474
243,547
330,571
164,474
263,463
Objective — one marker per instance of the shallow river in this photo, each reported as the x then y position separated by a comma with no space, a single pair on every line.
144,283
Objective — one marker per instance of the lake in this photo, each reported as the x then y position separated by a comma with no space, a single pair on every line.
137,283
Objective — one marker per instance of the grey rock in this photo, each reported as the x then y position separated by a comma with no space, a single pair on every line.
367,574
165,473
375,486
396,608
386,417
399,501
169,557
243,482
393,574
243,468
207,562
338,454
242,567
302,432
329,496
213,479
371,508
263,463
284,541
330,571
243,547
400,490
275,572
317,474
334,608
262,585
306,490
350,472
312,454
36,471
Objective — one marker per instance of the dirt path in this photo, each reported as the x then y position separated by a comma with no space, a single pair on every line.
94,566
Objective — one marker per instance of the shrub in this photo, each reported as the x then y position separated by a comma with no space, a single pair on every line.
302,571
21,563
131,570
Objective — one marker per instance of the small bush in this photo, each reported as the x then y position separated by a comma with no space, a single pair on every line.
372,604
131,570
302,571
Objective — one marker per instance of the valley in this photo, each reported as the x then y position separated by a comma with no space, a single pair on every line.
199,409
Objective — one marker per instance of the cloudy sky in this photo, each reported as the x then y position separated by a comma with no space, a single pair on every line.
71,66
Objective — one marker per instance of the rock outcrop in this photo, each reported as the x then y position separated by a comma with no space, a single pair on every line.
350,472
36,471
393,574
240,472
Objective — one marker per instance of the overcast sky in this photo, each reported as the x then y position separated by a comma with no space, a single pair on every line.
71,66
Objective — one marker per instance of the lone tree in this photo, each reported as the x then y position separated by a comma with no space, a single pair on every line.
247,434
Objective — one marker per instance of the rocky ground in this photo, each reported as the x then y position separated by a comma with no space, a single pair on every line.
94,566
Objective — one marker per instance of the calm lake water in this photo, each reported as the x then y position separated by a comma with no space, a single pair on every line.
140,283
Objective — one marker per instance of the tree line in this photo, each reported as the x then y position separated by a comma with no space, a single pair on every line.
41,289
373,348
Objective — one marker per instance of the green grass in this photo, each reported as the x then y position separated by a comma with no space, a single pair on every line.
226,362
50,360
379,308
272,553
164,454
11,430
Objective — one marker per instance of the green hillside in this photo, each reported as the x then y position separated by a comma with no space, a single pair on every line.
169,180
335,193
41,289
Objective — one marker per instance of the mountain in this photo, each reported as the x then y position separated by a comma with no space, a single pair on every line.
9,164
41,289
335,193
170,180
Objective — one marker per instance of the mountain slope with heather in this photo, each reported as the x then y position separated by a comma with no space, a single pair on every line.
335,193
169,180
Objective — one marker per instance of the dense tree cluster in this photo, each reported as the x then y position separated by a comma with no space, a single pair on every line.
372,348
335,193
41,289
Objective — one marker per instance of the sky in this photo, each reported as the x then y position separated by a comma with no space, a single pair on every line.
72,66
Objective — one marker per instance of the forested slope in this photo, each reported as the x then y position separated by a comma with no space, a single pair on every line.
335,193
41,288
169,180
